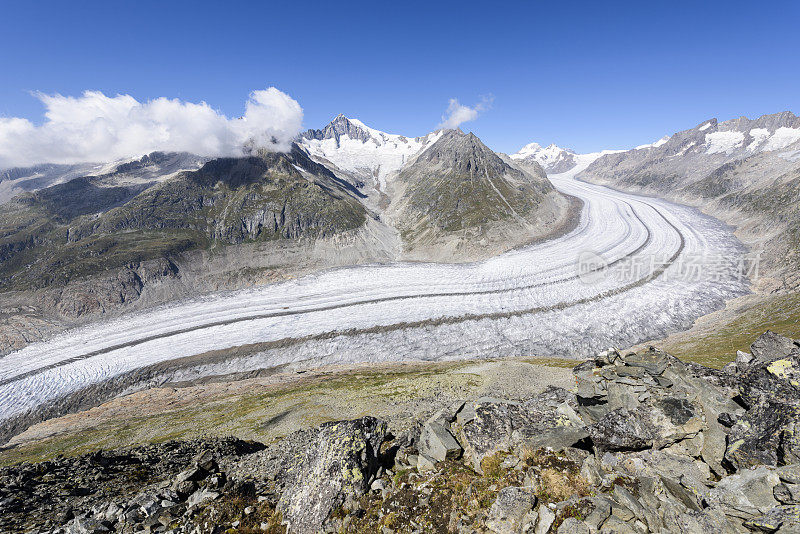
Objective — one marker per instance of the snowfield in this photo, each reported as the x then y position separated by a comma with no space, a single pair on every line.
639,280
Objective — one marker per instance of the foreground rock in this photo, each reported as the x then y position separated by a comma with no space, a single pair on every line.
336,465
646,443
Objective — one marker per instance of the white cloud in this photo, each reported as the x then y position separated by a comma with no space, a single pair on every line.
458,114
95,127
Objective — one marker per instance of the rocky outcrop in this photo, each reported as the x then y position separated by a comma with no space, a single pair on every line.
510,511
645,443
104,491
336,467
490,425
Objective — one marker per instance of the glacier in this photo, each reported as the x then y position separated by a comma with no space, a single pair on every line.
532,301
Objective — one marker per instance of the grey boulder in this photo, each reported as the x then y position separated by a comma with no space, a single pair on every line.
507,513
771,346
436,441
338,463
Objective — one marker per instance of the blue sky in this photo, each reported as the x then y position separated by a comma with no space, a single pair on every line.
586,75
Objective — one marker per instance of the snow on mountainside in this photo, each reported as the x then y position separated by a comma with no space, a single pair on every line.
654,145
154,167
552,158
366,152
690,155
557,161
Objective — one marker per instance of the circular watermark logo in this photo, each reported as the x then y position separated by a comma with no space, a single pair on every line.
591,267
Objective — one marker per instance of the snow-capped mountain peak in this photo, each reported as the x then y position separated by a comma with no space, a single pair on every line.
552,158
354,147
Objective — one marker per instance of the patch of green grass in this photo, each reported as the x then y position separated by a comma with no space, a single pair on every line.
718,346
242,415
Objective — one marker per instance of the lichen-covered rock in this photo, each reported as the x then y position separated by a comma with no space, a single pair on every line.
789,473
787,493
573,526
509,426
677,518
507,513
771,346
657,423
747,493
653,361
692,474
776,379
339,461
779,519
767,434
553,396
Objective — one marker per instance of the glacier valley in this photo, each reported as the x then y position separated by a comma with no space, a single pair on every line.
534,301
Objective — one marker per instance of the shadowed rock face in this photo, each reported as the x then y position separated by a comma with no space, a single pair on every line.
85,227
232,200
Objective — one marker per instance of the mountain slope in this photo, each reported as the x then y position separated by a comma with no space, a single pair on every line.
151,167
91,245
458,198
744,171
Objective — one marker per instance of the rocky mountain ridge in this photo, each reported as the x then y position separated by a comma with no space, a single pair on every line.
369,158
644,443
227,201
459,188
